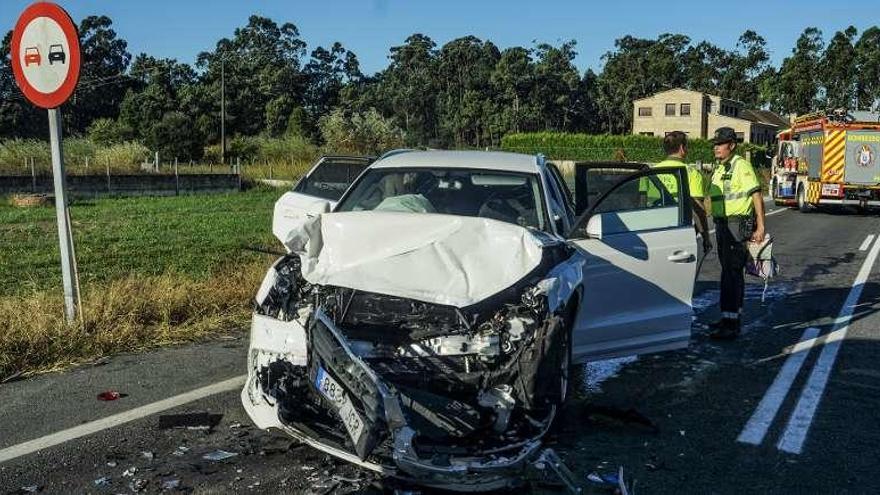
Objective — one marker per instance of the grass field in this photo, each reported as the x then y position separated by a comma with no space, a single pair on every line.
190,235
153,271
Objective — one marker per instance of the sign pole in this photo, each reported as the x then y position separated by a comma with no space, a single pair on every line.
65,238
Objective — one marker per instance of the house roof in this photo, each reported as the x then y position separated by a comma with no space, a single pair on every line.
765,117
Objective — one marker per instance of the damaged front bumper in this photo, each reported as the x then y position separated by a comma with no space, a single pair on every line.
289,363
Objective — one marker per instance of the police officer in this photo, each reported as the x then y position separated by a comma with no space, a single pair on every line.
738,212
675,147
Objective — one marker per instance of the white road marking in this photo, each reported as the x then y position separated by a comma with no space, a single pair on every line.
82,430
795,433
867,243
756,428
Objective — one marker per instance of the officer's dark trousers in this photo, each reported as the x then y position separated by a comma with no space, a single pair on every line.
732,255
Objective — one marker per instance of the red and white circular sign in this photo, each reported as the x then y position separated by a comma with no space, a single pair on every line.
45,54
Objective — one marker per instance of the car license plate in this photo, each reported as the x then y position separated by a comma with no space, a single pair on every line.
331,389
830,189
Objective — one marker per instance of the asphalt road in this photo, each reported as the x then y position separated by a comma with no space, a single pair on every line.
671,421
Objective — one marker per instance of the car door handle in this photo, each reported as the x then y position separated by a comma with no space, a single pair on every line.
680,257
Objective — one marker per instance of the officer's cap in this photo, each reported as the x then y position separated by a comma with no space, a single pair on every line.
724,135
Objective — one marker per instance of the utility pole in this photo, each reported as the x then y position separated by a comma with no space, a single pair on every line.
223,111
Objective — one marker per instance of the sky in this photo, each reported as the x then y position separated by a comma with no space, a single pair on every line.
181,29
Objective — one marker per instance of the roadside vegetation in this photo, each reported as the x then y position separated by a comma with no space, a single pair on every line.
153,271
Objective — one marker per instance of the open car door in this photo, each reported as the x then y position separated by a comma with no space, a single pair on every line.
641,248
318,190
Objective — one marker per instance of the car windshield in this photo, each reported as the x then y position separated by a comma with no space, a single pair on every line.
508,197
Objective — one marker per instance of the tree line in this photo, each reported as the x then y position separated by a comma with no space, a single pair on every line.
466,93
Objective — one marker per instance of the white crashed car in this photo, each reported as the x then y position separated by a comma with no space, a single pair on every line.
424,325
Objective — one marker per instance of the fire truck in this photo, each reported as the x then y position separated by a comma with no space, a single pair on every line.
827,160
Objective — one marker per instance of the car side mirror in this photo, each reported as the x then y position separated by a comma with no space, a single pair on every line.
594,227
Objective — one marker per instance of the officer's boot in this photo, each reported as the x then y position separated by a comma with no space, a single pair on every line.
726,329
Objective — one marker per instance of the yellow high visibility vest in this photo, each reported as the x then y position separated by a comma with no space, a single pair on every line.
732,187
696,183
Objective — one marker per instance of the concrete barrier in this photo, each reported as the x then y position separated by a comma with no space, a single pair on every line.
125,185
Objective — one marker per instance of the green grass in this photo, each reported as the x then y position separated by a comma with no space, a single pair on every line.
189,235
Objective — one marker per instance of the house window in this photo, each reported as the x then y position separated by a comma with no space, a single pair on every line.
709,106
646,133
739,137
670,109
644,111
685,109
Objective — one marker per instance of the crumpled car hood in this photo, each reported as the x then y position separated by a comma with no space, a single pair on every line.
442,259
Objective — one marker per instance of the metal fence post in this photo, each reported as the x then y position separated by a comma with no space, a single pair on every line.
87,165
176,179
109,189
33,176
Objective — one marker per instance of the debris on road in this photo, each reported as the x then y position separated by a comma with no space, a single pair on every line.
610,480
148,455
171,484
102,481
549,463
180,451
219,455
109,395
31,489
129,472
137,484
18,375
190,421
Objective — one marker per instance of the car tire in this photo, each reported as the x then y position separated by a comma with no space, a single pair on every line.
565,374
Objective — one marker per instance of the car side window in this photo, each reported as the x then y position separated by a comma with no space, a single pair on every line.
331,178
558,210
647,201
563,187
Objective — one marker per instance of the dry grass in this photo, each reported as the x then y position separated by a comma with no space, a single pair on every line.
127,314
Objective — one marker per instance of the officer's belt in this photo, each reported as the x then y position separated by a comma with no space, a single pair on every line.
731,196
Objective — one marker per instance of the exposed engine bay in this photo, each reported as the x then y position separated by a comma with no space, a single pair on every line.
453,397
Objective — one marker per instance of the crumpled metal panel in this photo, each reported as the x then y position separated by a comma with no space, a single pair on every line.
442,259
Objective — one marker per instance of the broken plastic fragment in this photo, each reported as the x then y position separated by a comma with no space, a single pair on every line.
109,395
102,481
170,484
219,455
129,472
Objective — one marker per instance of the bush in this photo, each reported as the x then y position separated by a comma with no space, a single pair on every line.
365,133
123,156
175,136
605,147
106,132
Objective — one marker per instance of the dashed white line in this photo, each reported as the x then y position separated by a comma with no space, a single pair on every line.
82,430
795,433
756,428
867,243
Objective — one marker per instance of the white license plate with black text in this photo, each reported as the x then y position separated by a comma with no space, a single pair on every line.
331,389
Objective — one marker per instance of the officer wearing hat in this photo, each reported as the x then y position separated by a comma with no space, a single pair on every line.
738,212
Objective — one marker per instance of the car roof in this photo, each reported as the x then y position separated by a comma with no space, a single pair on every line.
482,160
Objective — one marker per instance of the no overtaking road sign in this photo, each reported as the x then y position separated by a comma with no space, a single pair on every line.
45,60
45,54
